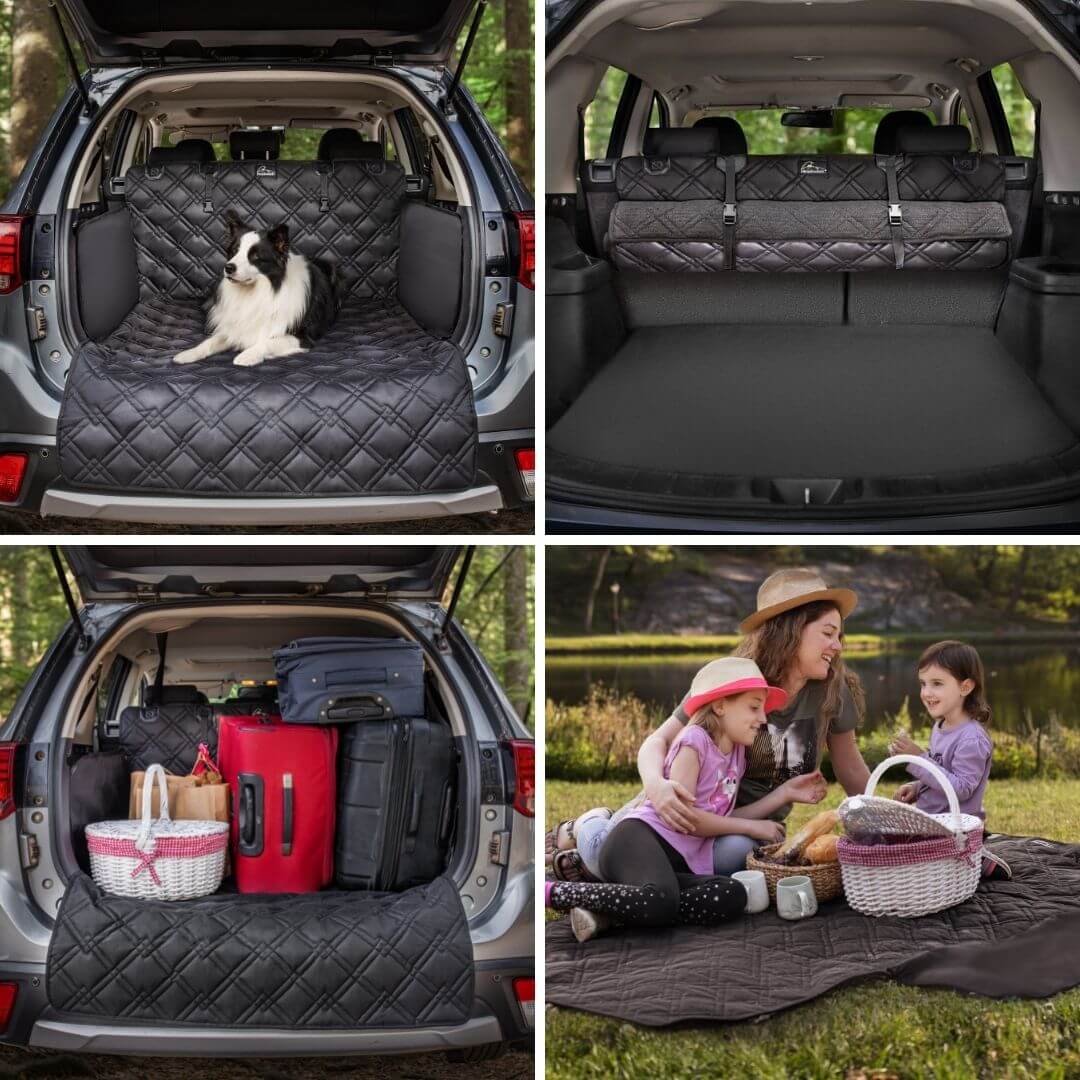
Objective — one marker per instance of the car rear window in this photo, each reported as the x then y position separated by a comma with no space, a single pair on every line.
852,131
299,144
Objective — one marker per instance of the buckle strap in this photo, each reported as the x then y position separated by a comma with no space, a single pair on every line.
209,173
324,188
731,210
896,213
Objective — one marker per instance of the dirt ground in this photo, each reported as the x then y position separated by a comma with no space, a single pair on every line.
505,521
43,1065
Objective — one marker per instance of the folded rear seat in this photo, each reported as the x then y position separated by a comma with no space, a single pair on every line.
931,206
379,406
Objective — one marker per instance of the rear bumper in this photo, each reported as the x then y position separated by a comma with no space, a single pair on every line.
166,510
53,1033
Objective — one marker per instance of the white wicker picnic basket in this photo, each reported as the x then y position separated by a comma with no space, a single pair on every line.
157,859
935,867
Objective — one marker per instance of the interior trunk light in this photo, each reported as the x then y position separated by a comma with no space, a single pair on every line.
12,471
11,243
9,991
525,992
7,778
524,751
526,464
526,224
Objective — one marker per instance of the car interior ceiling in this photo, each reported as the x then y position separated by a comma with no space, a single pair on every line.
914,362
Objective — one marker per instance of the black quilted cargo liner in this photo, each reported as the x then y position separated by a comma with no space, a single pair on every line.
379,406
328,960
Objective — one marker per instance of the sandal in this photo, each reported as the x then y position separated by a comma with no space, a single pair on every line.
551,838
569,866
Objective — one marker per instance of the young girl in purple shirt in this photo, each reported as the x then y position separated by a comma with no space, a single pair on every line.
654,876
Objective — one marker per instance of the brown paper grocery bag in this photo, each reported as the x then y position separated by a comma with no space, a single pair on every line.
189,799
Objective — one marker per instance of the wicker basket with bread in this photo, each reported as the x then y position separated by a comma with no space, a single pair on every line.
810,851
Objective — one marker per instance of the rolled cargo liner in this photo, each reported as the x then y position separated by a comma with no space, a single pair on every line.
378,406
328,960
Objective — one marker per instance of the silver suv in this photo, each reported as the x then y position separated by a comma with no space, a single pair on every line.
224,616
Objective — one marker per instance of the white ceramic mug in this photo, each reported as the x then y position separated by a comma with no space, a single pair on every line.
795,897
757,892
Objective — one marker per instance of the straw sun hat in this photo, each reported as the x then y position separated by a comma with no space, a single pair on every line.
786,589
731,675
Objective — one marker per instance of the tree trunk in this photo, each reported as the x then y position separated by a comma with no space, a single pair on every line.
34,57
598,580
516,631
1018,581
22,631
518,85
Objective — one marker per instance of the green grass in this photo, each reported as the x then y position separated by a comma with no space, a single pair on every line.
659,644
872,1032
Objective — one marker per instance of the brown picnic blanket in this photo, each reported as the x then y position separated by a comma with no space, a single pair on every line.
1018,938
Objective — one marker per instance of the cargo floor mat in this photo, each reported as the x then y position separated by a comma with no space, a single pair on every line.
377,407
317,960
680,409
1012,938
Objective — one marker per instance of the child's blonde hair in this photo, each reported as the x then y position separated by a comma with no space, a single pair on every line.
706,716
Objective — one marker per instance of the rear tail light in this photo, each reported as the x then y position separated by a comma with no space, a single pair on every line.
524,752
9,991
525,992
526,225
526,464
11,252
12,471
7,778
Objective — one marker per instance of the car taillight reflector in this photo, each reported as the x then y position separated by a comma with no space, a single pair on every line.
12,471
526,463
11,233
526,224
9,991
524,752
7,778
525,992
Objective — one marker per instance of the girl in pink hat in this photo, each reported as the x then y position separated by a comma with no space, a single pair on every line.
657,876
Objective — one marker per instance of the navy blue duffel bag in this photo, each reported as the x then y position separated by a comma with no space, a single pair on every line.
339,680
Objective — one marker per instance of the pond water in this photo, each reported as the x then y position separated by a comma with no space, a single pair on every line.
1040,679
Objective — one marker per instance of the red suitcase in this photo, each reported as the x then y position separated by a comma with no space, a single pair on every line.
283,779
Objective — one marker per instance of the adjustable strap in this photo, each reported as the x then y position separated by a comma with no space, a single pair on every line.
159,678
896,215
324,188
731,212
209,175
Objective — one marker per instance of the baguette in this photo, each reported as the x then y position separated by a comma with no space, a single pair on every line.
820,824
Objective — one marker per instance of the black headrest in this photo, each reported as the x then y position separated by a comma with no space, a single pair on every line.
345,144
730,132
943,139
196,150
680,142
255,145
891,123
257,693
178,695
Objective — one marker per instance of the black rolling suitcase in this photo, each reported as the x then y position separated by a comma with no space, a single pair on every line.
396,802
339,680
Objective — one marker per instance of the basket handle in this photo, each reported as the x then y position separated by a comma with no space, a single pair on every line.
144,839
935,771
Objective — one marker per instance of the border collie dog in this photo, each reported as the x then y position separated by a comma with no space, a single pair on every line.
270,300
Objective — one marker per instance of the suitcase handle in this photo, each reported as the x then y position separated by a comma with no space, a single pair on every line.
249,814
287,814
353,707
417,803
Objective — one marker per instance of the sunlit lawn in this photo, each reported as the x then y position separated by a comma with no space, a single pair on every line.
905,1032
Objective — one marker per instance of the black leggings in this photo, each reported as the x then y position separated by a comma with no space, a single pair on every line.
647,883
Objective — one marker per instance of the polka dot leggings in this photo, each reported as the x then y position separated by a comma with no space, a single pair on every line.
649,884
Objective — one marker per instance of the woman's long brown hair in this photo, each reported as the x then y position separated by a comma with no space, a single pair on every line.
774,645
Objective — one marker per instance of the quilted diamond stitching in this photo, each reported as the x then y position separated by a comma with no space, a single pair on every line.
168,734
795,256
321,960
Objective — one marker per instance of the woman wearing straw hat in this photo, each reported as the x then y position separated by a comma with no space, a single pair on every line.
795,637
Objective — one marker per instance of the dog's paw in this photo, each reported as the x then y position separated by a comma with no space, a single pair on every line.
248,358
188,356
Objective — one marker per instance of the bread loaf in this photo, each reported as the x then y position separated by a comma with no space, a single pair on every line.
817,826
823,849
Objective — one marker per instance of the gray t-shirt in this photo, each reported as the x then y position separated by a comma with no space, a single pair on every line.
791,744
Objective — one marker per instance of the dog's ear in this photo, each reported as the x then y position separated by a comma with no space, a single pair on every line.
279,237
237,228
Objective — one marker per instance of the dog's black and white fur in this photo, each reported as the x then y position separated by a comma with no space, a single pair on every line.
270,301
